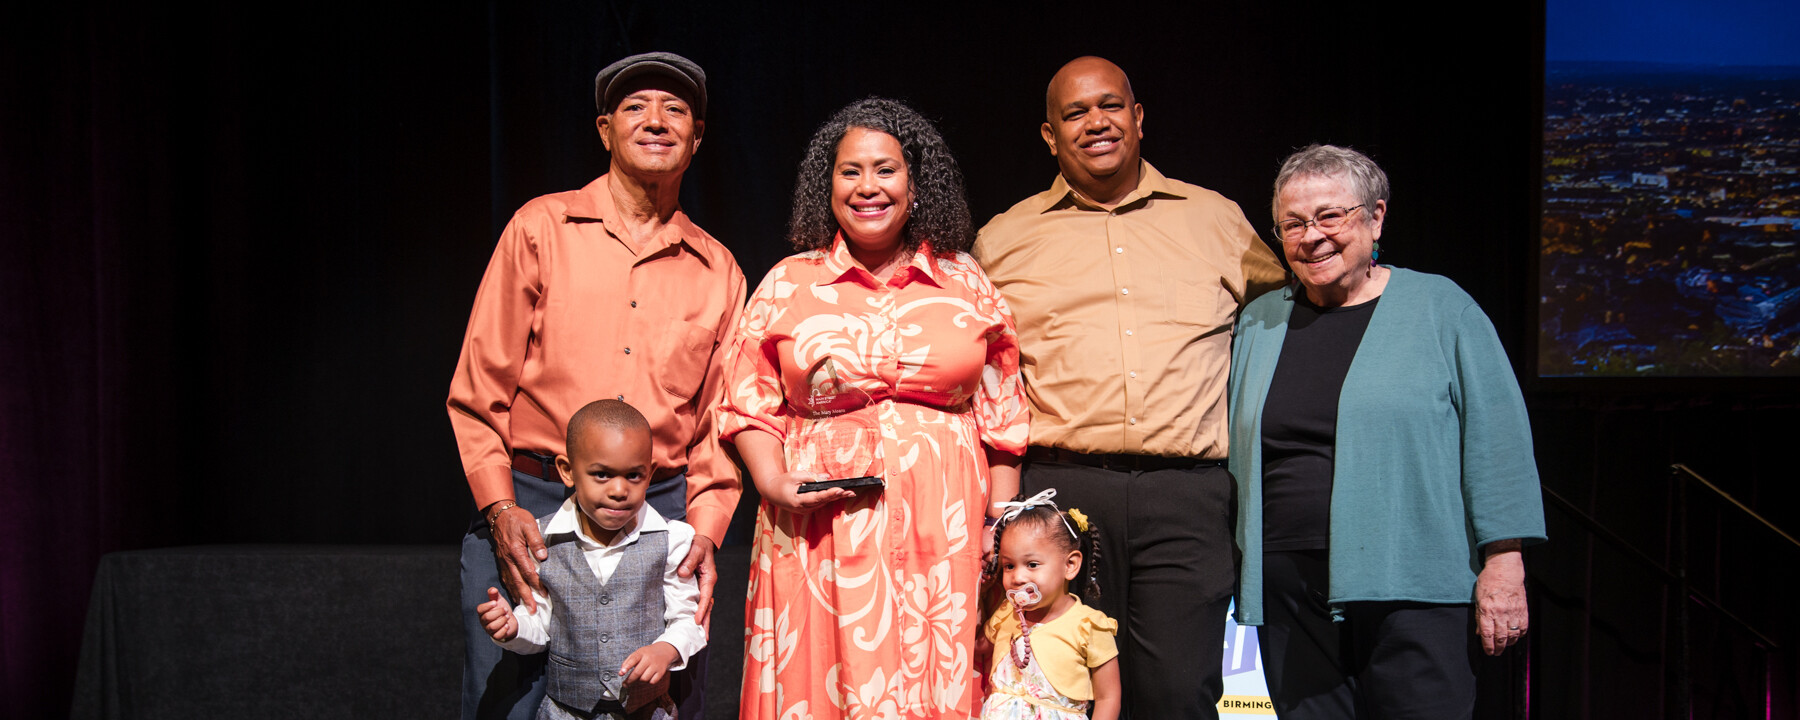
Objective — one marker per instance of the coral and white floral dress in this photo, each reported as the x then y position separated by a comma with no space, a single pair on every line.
866,607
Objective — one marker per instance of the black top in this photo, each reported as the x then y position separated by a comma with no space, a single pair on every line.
1299,422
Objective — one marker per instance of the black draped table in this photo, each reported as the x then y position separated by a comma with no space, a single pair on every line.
294,631
306,631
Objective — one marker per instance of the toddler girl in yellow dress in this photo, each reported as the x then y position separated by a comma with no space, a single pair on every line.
1052,655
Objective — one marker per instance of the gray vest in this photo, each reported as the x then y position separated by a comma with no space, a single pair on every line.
597,626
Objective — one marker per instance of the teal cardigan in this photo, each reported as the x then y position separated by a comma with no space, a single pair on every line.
1433,455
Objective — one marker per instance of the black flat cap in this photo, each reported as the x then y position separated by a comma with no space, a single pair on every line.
670,65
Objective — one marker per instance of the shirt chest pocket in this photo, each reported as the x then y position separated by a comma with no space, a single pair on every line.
683,352
1199,302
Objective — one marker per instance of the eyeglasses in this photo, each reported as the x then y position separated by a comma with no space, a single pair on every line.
1328,221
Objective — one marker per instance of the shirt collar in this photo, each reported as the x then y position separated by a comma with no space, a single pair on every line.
841,267
595,203
1150,183
568,520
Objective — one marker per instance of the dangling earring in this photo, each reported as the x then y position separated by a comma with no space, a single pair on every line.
1376,254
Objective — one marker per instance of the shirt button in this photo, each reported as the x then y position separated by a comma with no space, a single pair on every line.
621,398
1118,250
1131,420
1132,373
605,599
1124,291
1127,333
605,637
634,303
627,351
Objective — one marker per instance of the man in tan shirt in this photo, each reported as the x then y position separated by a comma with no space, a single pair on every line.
1125,285
609,291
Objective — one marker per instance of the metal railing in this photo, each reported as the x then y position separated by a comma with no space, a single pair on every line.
1678,577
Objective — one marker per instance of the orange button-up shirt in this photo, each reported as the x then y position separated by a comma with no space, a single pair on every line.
1125,314
571,311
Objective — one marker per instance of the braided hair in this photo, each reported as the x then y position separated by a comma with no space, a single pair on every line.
1051,522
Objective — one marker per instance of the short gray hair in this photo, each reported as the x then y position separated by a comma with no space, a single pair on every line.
1360,174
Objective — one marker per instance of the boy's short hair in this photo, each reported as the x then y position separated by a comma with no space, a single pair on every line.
605,413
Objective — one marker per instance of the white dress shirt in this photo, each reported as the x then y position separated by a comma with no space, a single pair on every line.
681,597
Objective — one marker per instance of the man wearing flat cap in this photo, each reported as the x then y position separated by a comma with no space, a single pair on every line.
609,291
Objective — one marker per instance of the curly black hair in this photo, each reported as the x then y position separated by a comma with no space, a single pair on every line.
1050,522
942,214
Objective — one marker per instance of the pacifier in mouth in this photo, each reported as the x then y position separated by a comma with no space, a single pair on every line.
1025,596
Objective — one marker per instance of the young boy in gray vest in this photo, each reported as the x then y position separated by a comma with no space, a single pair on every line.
618,618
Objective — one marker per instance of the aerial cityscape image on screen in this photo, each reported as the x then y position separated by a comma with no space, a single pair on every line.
1670,241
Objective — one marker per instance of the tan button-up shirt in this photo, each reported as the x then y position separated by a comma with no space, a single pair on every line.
571,311
1125,315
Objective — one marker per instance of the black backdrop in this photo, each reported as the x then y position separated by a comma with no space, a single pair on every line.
240,245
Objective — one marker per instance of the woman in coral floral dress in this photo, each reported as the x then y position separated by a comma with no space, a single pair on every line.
881,350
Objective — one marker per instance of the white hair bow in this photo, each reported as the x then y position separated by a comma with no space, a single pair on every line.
1042,499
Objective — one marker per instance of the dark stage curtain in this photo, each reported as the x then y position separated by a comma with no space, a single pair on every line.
227,314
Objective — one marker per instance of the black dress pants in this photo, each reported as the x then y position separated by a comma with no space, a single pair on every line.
1384,660
1167,568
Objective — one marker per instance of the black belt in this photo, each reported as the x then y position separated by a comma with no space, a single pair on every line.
1118,461
539,465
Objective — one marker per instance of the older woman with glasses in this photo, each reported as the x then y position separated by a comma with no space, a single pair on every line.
1384,466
